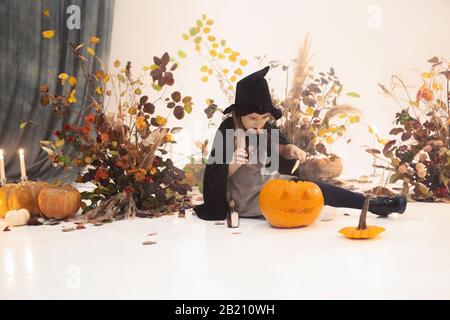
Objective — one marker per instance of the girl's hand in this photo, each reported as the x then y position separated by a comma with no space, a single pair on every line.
239,156
294,152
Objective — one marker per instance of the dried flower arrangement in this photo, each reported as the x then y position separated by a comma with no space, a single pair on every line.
419,155
312,116
120,151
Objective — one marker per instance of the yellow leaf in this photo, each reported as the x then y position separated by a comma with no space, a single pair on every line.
197,47
221,56
232,58
354,119
72,98
371,130
427,75
213,53
209,22
161,120
94,40
181,54
238,71
98,90
91,51
138,91
322,132
437,86
105,78
243,62
116,63
233,78
211,38
46,13
59,143
227,50
215,45
210,71
132,111
48,34
197,40
205,79
309,111
185,36
63,76
206,30
225,71
329,140
204,69
72,81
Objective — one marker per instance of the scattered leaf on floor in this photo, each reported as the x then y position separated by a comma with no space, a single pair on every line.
80,227
149,242
346,214
237,233
68,229
326,219
152,234
219,223
34,222
6,229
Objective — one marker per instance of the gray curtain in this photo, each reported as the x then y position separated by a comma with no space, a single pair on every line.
27,61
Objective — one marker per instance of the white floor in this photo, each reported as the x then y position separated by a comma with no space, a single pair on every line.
195,259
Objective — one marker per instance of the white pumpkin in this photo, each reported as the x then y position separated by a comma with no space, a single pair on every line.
15,218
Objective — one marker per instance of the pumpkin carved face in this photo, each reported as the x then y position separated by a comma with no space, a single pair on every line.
290,204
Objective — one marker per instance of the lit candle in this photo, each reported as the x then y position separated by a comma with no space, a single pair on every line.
2,167
23,171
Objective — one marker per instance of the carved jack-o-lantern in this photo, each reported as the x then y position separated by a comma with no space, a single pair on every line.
290,204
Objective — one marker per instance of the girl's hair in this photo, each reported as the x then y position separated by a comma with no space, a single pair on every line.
237,121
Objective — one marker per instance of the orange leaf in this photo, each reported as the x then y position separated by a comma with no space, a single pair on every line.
48,34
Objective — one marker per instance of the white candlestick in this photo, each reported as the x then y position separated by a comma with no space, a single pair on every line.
2,167
23,171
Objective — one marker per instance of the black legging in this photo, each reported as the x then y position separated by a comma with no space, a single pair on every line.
338,197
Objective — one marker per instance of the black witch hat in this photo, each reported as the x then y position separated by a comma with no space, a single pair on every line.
253,95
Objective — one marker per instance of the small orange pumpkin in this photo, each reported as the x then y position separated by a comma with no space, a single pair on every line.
362,231
5,194
59,202
290,204
25,196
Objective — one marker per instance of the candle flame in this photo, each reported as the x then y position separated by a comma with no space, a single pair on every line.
21,152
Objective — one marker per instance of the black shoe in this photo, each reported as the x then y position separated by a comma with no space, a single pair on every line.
384,206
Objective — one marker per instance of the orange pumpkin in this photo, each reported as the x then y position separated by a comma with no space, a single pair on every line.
290,204
25,196
59,202
362,231
5,194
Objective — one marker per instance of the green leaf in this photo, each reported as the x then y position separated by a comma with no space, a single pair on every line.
121,78
181,54
188,107
156,86
353,95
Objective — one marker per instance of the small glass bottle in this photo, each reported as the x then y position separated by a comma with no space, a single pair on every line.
232,216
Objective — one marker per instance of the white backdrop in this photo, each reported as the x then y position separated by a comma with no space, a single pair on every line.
365,41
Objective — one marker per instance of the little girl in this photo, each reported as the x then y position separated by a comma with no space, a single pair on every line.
230,175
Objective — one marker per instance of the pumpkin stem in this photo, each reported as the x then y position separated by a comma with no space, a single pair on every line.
362,218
